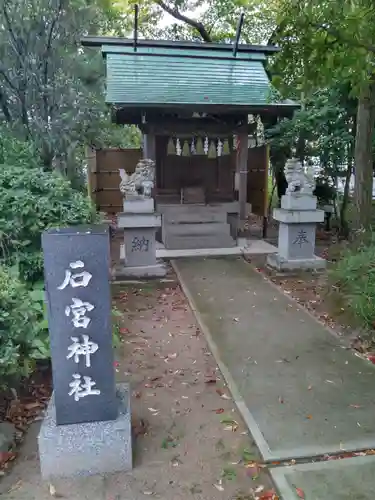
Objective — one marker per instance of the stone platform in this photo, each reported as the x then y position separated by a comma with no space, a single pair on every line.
88,448
275,261
345,479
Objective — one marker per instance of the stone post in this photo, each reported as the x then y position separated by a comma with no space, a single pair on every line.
87,426
297,218
140,223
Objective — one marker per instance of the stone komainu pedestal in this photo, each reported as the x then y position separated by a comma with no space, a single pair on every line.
140,223
298,217
87,426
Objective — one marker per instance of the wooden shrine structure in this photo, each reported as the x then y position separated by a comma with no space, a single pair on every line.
201,108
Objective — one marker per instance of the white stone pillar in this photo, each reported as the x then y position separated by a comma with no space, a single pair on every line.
297,218
140,223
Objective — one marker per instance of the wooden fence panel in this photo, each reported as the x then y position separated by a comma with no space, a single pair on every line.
104,176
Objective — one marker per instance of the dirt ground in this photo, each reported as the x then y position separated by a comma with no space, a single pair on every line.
192,443
309,290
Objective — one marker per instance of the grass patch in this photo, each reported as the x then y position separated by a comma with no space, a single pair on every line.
352,282
228,473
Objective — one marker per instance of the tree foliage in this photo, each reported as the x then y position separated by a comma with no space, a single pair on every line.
211,20
31,201
327,125
324,42
51,91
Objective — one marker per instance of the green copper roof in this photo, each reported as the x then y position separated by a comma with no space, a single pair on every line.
181,76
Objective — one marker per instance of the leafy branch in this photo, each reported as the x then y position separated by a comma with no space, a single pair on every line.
173,11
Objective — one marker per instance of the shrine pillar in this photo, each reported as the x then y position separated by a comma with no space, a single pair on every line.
241,174
149,146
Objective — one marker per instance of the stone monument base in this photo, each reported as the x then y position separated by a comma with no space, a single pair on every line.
89,448
292,265
139,272
157,270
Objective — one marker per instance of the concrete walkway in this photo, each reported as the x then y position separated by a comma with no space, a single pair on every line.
301,393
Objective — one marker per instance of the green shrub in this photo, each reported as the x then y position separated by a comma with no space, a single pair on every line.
24,327
32,200
353,280
23,330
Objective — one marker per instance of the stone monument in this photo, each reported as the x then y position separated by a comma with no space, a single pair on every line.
140,223
87,426
297,218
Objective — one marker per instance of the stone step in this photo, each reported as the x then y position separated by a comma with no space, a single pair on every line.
179,242
197,209
191,216
196,229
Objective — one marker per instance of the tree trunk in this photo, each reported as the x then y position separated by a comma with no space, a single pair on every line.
281,182
363,158
344,228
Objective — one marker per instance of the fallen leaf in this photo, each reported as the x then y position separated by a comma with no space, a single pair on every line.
252,471
229,421
175,462
309,417
300,493
140,427
269,495
15,486
6,456
52,490
232,425
225,396
210,378
33,406
219,411
259,489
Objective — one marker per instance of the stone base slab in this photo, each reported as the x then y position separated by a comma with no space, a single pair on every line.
298,202
88,448
276,262
298,216
139,206
138,220
135,272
